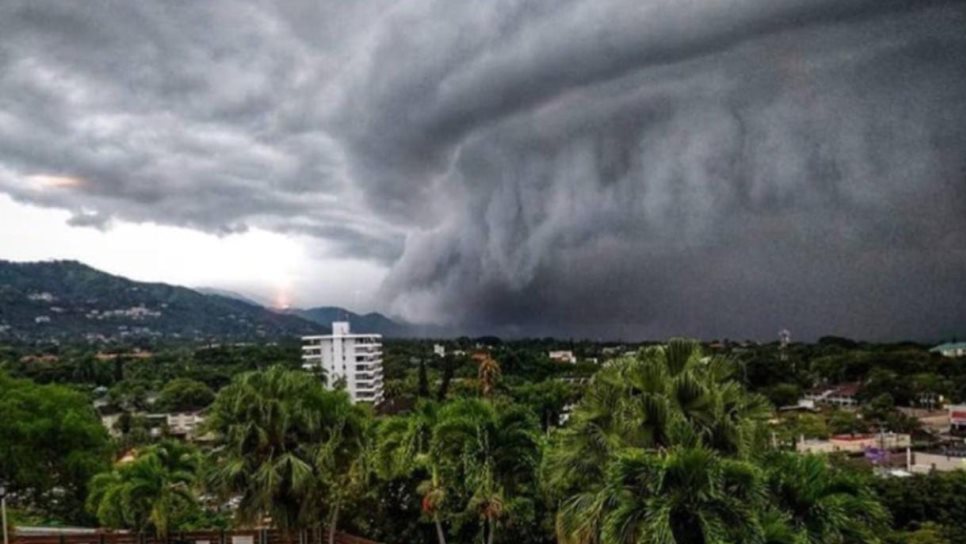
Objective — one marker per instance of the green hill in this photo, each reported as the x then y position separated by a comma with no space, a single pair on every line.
60,300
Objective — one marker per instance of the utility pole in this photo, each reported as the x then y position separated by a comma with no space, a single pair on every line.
3,511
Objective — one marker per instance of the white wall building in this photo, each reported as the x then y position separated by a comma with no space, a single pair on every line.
186,424
563,356
353,358
953,349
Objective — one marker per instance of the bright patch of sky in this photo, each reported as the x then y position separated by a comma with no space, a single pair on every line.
282,270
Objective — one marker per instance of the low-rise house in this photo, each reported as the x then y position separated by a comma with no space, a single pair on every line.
950,349
136,354
855,443
803,405
935,421
945,460
439,350
957,417
185,424
39,359
843,395
563,356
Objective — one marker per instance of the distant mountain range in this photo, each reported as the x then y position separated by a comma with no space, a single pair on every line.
68,300
250,299
372,322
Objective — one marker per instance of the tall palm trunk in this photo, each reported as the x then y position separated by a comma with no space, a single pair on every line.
440,535
333,521
491,529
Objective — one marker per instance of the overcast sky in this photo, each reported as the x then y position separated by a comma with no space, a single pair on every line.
600,168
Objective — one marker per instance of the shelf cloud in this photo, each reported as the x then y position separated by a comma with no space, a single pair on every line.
605,168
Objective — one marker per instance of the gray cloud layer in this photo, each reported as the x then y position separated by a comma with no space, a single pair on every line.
587,167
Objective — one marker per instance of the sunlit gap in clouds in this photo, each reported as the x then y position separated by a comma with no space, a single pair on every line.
50,181
256,259
283,270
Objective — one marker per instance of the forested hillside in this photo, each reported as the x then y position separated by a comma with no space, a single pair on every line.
67,299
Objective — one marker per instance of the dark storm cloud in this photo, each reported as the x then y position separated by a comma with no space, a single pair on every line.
705,172
196,115
588,167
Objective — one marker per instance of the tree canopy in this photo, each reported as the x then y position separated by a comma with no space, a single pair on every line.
289,448
51,444
155,491
184,395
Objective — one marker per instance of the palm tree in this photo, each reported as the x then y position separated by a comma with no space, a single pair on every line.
487,501
266,423
824,504
493,450
666,447
404,447
683,495
686,495
433,500
288,447
152,491
341,458
664,396
473,452
489,373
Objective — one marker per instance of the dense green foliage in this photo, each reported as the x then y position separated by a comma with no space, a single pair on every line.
478,462
906,372
289,448
51,444
667,447
183,395
155,491
938,499
660,444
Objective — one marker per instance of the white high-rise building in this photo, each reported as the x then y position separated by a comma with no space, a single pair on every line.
353,358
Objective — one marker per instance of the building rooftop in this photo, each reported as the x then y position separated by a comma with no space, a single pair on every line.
840,390
340,329
353,335
949,346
